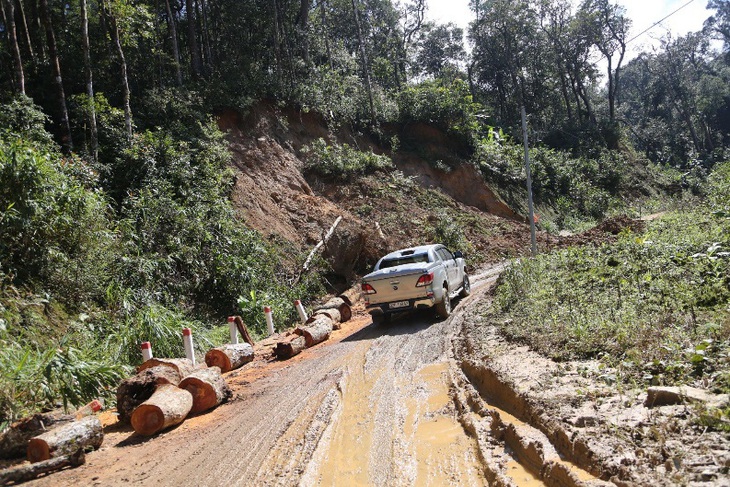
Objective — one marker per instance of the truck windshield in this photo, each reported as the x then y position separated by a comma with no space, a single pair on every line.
407,259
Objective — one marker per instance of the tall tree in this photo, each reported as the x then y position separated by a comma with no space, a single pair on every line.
111,22
173,37
85,44
65,126
9,13
364,60
196,62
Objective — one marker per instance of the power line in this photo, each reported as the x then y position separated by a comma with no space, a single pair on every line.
657,23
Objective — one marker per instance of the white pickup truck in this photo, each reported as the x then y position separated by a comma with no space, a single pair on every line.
417,277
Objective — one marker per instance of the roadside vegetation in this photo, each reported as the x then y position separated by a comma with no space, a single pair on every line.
654,306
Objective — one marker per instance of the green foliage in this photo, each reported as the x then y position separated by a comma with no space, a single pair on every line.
448,106
719,189
342,161
655,305
24,118
449,232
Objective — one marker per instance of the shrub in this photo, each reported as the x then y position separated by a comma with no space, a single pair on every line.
342,161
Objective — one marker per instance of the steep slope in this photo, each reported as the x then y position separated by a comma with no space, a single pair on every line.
417,202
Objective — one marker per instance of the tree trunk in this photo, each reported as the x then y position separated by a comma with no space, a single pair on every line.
206,35
175,48
9,12
340,305
290,347
229,357
243,330
66,439
26,32
114,33
89,80
315,332
207,387
24,473
195,61
326,34
365,66
14,441
168,406
182,366
134,391
66,140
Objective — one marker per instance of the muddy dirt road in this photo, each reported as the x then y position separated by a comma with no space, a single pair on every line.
371,407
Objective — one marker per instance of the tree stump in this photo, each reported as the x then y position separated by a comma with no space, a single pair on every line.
229,357
290,347
66,439
14,441
183,366
24,473
168,406
134,391
207,387
315,332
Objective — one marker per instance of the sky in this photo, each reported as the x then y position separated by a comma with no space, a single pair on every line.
643,14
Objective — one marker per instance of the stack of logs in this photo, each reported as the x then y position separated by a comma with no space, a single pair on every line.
160,395
317,328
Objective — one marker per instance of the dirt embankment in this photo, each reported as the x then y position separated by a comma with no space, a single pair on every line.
380,212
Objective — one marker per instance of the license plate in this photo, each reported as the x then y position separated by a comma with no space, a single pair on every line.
399,304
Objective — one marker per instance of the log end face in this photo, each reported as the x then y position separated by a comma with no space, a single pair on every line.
38,450
216,358
147,420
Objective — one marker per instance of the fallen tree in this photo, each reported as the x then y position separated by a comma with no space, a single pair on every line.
316,331
24,473
291,346
341,305
168,406
66,439
137,389
14,441
207,387
229,357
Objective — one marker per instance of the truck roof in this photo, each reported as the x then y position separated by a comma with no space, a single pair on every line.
421,249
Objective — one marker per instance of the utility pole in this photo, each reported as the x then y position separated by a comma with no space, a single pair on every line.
530,209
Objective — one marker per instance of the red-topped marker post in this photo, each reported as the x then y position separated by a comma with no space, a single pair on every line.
300,309
188,343
269,320
146,351
234,330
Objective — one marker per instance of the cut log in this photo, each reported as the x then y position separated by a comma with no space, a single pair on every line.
340,305
183,366
14,441
66,439
290,347
134,391
207,387
229,357
243,330
333,314
315,332
25,473
352,295
168,406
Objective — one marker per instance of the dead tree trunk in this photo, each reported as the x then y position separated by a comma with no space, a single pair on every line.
134,391
182,366
243,330
168,406
207,387
24,473
14,441
315,332
229,357
290,347
66,439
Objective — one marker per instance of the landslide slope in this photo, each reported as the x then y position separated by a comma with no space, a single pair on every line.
414,203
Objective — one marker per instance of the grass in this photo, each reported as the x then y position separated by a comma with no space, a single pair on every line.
655,306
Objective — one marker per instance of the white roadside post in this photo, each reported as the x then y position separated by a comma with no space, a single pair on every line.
269,320
300,310
188,343
234,330
146,351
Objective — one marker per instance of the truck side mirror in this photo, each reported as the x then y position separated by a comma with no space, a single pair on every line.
458,255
